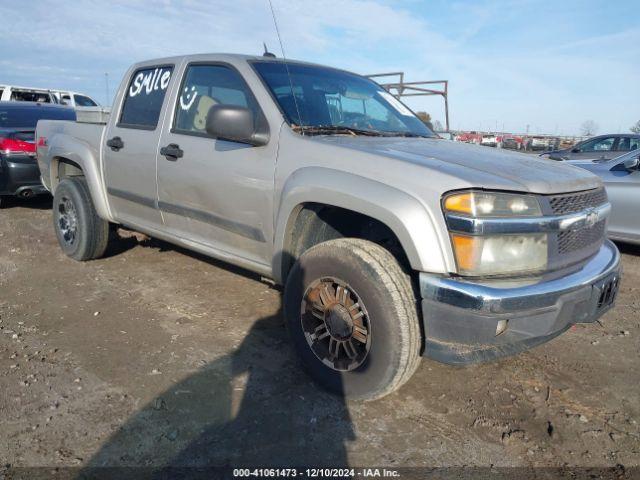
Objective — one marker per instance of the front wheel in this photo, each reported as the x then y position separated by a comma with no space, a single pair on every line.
353,318
82,234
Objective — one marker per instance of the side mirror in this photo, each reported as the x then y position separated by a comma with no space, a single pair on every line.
632,164
235,123
575,150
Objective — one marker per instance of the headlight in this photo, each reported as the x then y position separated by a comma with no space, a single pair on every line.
500,254
505,254
492,204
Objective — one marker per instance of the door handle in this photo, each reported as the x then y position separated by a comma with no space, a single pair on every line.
115,143
171,151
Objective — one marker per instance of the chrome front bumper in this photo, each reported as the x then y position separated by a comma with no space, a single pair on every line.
461,317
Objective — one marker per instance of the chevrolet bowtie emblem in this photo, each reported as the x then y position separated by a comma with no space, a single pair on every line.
591,217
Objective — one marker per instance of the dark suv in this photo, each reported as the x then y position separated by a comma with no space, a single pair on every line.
600,147
19,173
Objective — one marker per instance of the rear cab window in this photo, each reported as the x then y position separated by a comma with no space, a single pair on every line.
144,97
84,101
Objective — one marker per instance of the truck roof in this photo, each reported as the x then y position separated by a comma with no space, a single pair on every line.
222,57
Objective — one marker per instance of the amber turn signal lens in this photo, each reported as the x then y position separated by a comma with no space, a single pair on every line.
465,248
462,203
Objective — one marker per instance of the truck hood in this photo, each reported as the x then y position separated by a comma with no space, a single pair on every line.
477,165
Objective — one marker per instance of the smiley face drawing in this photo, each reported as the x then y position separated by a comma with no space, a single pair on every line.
188,97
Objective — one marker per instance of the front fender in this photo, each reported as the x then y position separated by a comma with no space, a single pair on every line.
65,147
409,219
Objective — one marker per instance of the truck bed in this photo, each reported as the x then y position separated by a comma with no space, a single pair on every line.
88,134
99,115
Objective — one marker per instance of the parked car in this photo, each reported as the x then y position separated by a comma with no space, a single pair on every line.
446,135
538,142
19,173
74,99
12,93
511,142
489,140
621,177
391,243
602,146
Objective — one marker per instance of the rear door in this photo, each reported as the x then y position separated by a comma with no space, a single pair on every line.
131,145
218,193
626,144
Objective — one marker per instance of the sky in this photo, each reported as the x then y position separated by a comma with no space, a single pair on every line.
546,66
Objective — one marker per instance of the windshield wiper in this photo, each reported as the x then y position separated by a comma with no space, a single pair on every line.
409,134
333,129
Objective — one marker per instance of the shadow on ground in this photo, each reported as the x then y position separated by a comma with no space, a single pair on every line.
254,407
38,202
628,248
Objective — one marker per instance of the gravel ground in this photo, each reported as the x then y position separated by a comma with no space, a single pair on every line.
155,356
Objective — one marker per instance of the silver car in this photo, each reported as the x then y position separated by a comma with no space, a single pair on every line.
621,176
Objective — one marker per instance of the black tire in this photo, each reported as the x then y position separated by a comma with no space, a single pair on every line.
85,238
376,279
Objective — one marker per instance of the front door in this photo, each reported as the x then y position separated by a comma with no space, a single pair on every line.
599,147
216,192
623,190
131,147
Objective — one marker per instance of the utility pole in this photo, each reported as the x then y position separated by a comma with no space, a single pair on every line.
106,81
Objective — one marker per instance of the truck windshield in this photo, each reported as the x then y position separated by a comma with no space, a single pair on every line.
323,100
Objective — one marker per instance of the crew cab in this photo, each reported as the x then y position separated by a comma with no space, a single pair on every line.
390,242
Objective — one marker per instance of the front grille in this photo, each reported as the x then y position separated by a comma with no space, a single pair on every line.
574,240
576,202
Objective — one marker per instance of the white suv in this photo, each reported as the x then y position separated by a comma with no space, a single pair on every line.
26,94
74,99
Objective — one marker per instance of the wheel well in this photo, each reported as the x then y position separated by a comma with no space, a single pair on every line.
66,168
315,223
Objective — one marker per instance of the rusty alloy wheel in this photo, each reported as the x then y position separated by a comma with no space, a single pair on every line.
335,324
67,220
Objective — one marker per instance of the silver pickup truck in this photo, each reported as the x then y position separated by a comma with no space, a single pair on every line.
391,243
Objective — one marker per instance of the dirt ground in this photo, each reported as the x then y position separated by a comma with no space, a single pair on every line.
155,356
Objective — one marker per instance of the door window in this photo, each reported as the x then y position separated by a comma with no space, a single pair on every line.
203,87
144,97
626,144
598,145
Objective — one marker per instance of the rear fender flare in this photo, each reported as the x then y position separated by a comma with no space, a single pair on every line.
88,160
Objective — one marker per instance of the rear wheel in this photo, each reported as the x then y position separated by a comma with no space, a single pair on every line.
352,314
82,234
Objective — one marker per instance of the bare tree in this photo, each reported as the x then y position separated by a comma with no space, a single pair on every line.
437,126
589,128
635,128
